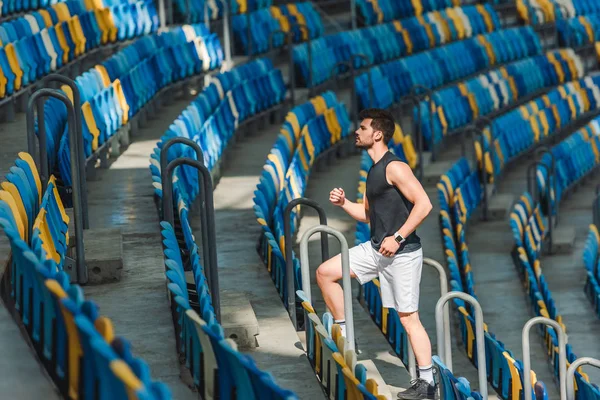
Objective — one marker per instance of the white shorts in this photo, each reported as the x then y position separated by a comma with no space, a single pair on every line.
399,276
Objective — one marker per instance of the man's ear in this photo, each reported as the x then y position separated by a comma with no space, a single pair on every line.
378,135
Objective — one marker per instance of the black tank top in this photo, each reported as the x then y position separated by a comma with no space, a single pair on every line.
388,208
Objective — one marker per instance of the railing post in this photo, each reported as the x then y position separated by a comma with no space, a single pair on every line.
289,262
479,334
571,373
304,28
78,125
206,16
226,34
428,94
353,13
417,133
532,187
290,40
552,180
562,355
164,153
369,82
346,281
212,273
38,96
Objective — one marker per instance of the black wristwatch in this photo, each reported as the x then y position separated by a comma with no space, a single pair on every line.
398,237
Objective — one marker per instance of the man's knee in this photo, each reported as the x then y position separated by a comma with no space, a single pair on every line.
330,270
409,320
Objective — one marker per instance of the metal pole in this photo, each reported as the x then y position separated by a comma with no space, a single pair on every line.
162,15
531,185
417,129
562,355
346,282
289,262
226,37
479,334
206,15
353,13
249,33
81,269
81,154
571,373
552,181
292,67
304,28
369,82
164,152
212,274
428,94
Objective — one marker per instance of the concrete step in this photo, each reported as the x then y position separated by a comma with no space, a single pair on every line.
563,239
433,171
103,249
499,204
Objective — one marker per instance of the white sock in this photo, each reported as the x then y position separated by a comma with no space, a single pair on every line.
426,373
342,324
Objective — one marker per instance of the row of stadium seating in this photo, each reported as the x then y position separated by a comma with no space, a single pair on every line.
115,90
210,121
529,226
573,158
192,11
309,130
375,12
591,261
459,105
536,12
434,68
579,31
521,129
45,40
285,17
410,35
76,345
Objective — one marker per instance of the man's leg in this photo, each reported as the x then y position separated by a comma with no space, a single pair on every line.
362,267
328,275
420,343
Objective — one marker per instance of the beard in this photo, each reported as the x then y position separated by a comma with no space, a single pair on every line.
361,145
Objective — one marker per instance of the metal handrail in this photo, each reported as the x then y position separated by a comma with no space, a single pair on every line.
78,125
562,355
346,281
571,373
443,334
37,99
164,160
289,262
212,275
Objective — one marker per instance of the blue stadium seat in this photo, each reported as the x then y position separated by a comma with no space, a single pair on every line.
459,105
70,337
410,35
283,17
443,65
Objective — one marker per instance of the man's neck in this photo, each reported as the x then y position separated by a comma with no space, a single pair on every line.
377,152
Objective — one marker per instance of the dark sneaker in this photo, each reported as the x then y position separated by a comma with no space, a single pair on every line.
420,389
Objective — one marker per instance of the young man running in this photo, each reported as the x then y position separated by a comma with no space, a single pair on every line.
394,204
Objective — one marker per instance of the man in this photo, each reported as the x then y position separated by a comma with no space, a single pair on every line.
394,204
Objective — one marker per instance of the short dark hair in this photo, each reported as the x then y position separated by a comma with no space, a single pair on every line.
382,120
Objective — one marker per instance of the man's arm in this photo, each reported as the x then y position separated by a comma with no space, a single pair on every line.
358,211
400,175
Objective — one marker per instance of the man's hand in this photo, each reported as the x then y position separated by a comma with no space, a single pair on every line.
389,246
337,197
